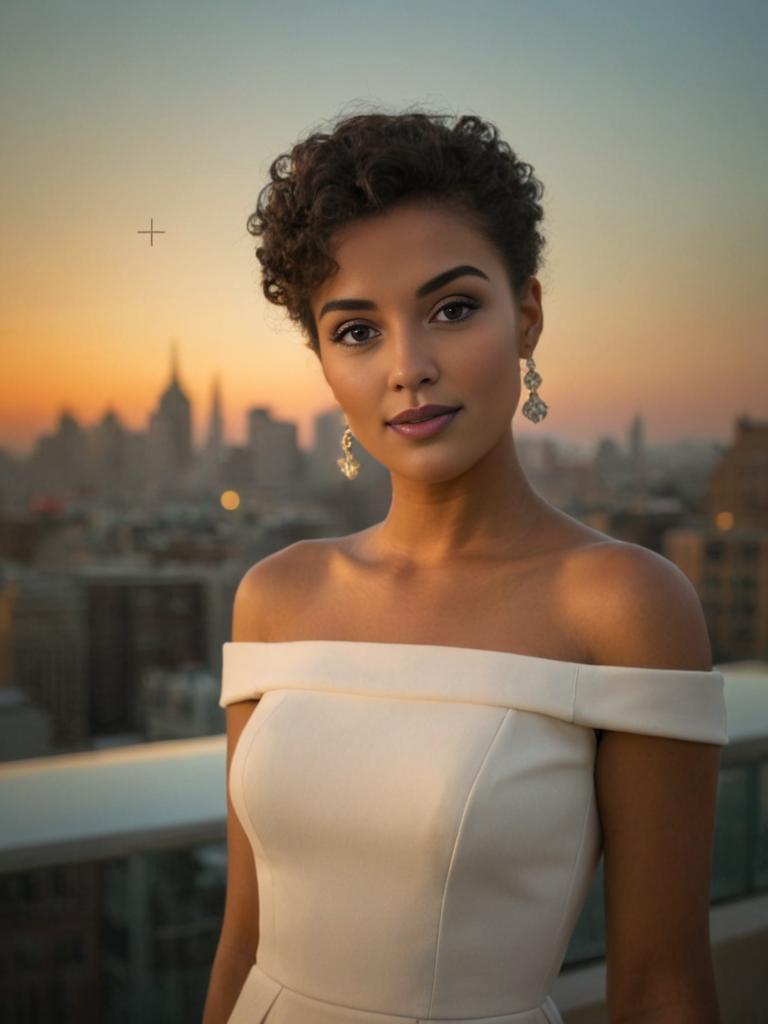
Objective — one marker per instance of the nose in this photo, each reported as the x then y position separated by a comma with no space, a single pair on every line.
412,363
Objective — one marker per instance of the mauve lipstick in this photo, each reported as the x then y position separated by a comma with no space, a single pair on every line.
427,428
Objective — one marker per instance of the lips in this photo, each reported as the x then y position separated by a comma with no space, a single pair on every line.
426,428
434,415
429,413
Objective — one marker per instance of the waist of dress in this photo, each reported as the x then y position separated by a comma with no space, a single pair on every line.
261,993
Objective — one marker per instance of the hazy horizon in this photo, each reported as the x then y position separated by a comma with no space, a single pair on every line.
305,434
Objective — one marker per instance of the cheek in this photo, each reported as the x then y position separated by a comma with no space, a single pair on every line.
355,389
492,372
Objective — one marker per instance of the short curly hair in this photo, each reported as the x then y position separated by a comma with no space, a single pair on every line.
371,162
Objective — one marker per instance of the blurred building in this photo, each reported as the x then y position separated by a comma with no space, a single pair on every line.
569,481
169,433
135,622
213,454
728,560
51,943
180,703
641,521
25,730
76,643
729,569
738,487
109,453
275,457
60,461
637,457
48,656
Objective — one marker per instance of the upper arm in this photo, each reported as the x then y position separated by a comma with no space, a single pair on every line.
656,795
251,609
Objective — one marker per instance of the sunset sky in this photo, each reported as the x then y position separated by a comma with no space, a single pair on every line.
645,121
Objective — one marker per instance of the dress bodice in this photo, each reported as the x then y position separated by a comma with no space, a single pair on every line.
423,820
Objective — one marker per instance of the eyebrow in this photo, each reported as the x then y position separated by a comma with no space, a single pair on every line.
429,286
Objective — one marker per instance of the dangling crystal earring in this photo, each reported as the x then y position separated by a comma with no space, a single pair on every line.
348,465
535,408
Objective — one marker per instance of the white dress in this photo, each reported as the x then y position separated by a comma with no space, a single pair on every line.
424,823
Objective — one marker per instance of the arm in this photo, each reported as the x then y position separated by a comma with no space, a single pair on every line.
239,937
657,798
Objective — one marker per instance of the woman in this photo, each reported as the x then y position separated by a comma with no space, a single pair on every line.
417,805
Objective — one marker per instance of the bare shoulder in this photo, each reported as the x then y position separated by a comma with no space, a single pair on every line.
271,586
636,607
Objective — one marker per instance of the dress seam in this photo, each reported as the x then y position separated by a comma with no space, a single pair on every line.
452,858
334,1003
575,693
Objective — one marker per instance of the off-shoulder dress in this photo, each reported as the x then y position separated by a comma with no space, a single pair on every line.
424,823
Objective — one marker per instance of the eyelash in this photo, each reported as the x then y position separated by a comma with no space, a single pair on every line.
339,333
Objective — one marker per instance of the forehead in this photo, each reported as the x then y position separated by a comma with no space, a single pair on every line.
413,222
406,244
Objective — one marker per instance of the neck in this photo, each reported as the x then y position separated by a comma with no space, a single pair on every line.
491,511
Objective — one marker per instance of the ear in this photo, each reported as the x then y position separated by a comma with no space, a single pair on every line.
531,314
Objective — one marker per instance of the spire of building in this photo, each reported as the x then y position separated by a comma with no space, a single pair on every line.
174,364
215,429
171,425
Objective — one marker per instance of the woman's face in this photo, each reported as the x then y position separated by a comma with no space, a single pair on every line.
403,338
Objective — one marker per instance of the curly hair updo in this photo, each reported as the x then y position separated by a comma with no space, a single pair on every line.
371,162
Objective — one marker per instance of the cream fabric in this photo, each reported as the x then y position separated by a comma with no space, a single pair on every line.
424,823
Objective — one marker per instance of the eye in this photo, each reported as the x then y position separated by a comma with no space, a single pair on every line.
339,333
458,304
452,304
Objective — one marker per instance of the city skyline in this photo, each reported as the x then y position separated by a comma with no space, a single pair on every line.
210,417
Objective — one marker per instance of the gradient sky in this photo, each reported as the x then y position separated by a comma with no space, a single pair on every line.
645,121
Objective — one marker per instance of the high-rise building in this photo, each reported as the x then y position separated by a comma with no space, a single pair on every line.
170,430
213,452
109,452
729,569
60,463
638,457
274,450
738,487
